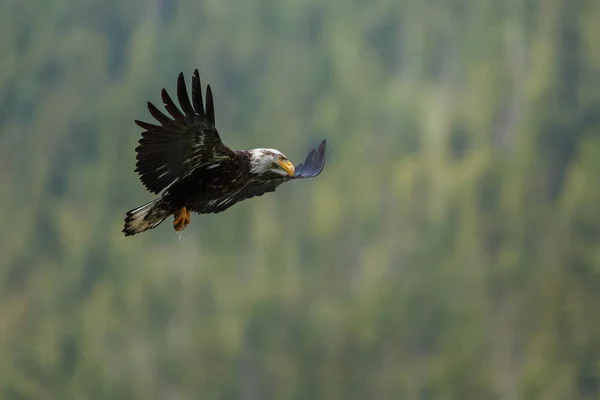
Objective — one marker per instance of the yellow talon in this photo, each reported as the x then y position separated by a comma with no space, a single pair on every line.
182,219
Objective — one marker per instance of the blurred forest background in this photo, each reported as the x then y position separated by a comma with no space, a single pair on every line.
449,250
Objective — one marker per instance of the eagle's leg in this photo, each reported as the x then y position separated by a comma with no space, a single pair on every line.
182,219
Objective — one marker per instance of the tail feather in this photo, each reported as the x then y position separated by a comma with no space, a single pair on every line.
144,217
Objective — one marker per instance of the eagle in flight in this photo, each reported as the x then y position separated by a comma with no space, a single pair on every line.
184,162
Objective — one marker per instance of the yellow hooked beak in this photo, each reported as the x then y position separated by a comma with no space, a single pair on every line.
287,166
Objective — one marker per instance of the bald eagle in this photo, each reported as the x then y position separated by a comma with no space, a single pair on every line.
183,160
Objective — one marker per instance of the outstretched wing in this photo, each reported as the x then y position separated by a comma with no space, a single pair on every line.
181,143
313,164
311,167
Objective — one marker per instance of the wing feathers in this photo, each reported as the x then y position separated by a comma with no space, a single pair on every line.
147,126
159,116
170,106
197,94
184,100
313,164
180,141
210,109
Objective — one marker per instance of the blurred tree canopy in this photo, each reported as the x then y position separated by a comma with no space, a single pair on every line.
450,249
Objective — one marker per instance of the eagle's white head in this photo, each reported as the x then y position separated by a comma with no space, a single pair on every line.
270,161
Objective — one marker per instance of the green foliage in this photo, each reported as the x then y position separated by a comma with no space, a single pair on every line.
450,249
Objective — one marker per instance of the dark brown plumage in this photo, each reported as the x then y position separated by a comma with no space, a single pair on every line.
184,161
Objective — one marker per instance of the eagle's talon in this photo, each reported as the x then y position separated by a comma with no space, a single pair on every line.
182,219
